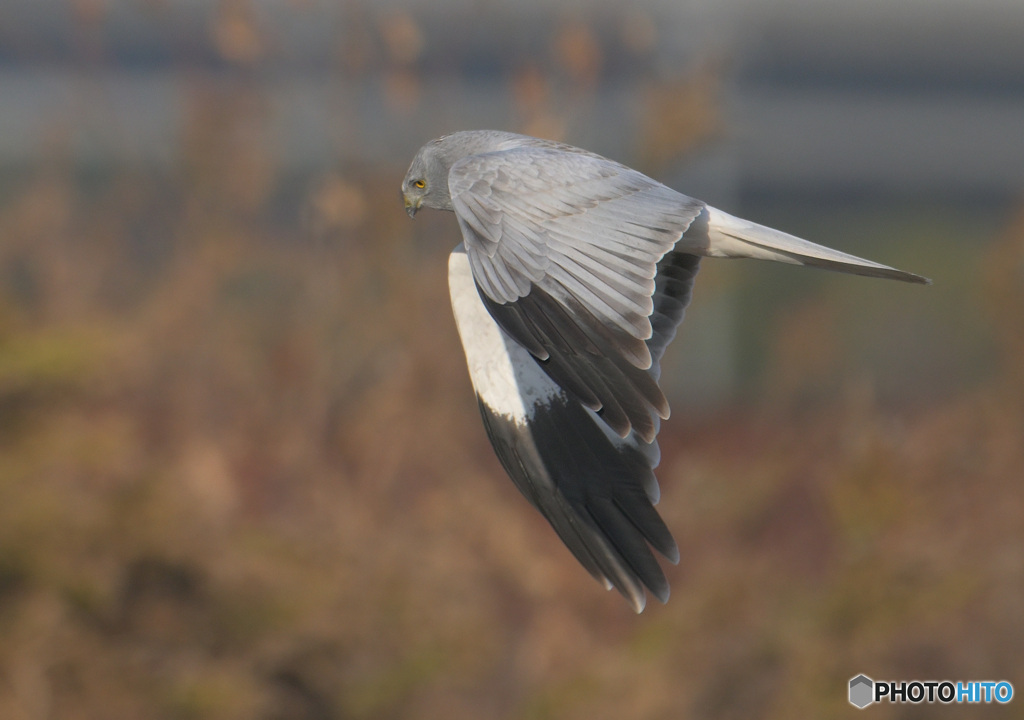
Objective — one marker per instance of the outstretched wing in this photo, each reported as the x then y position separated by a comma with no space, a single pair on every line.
565,248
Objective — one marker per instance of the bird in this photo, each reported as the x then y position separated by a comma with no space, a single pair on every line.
573,273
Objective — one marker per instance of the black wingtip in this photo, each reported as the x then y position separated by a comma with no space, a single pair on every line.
593,491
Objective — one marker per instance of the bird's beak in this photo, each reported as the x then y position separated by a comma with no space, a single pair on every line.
411,206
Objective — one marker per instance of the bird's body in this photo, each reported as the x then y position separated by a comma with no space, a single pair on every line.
572,277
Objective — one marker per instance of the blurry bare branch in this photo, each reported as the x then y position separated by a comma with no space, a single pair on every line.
678,115
236,32
578,52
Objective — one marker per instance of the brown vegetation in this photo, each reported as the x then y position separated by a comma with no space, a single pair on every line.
242,475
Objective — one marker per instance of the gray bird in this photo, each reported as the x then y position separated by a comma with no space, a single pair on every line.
573,274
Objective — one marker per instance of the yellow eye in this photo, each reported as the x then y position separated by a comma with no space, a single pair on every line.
420,184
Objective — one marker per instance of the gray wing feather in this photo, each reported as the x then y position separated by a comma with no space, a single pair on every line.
575,224
585,235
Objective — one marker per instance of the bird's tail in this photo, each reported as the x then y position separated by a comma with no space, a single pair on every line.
729,236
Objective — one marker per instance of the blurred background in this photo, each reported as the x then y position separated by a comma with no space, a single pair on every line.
242,473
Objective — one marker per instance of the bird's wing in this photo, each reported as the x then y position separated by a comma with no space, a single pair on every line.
565,248
596,489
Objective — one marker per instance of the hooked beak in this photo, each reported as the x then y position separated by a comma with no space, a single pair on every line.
411,206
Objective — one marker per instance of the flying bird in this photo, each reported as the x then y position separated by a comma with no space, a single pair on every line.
573,274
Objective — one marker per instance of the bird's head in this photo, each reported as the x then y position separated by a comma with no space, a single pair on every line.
426,183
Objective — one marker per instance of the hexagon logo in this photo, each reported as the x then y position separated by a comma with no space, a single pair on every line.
861,691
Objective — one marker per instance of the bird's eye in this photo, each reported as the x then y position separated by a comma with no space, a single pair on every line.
420,184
